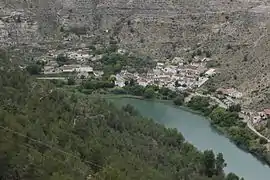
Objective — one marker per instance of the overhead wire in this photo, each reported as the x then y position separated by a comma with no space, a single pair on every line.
28,146
49,146
53,148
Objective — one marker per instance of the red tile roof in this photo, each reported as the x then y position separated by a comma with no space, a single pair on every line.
267,111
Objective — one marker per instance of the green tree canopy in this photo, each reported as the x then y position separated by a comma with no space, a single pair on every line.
179,100
149,93
34,69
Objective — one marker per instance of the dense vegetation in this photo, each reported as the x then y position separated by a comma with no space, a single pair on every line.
229,123
106,85
201,104
149,91
46,133
113,62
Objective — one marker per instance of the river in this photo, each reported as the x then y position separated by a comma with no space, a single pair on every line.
197,130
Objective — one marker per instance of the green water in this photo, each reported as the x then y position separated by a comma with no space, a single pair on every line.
197,130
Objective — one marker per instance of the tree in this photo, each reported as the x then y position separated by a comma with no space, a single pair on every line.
172,94
232,176
82,77
138,90
209,162
263,140
199,52
110,173
164,91
245,57
126,83
235,108
199,103
71,81
220,164
117,67
61,59
59,176
33,69
207,54
229,46
223,118
149,93
176,84
130,109
132,82
97,158
179,100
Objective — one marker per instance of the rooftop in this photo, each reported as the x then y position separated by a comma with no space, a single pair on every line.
266,111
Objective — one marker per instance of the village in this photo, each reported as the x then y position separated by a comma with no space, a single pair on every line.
176,74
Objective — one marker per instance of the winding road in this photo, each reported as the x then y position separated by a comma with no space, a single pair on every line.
255,131
245,118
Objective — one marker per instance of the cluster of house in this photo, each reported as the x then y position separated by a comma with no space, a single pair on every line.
175,75
80,62
231,92
229,96
80,65
123,76
258,117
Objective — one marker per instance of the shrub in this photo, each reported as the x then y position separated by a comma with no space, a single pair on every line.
34,69
149,93
71,81
179,100
208,54
61,59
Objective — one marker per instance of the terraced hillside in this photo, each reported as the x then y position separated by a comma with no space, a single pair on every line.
234,32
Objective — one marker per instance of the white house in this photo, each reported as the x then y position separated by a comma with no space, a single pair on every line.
69,68
120,81
121,51
86,69
98,73
210,72
97,57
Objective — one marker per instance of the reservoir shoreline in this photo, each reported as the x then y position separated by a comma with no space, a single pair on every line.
218,129
137,102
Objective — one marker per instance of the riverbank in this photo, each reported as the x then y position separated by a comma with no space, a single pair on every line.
235,134
198,131
167,102
230,124
234,129
260,157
